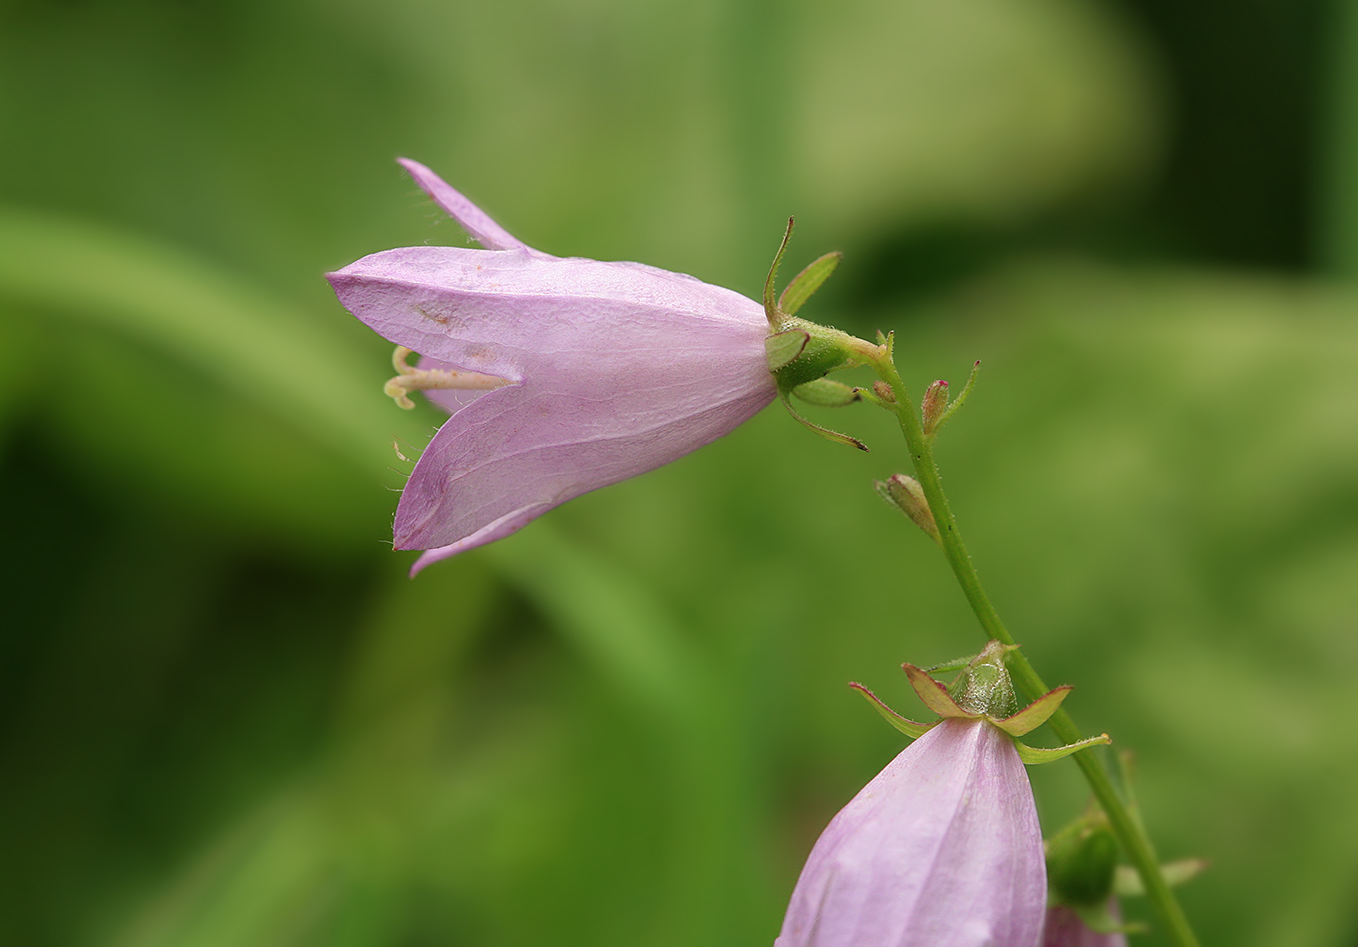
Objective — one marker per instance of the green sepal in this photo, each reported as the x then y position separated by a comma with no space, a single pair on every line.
934,695
782,348
872,396
807,282
825,432
824,352
1127,883
1033,755
909,727
956,664
827,393
1035,714
771,312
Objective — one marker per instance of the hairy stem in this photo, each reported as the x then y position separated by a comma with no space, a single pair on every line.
1125,825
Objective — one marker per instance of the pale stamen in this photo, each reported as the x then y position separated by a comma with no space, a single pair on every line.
421,379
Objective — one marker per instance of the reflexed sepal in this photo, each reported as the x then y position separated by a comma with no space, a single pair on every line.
771,310
983,689
827,393
934,695
909,727
807,282
825,432
1035,714
801,353
1033,755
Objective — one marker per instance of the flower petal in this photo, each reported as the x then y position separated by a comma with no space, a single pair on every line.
472,219
941,849
509,313
518,451
504,526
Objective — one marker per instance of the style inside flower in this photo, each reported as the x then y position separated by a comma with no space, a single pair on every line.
561,375
942,848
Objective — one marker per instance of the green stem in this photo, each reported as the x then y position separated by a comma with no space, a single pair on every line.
1125,825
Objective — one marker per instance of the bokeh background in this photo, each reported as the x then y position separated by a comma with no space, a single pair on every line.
227,717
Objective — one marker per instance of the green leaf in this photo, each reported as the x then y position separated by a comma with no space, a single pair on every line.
807,282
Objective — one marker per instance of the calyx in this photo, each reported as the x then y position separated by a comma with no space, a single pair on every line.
982,691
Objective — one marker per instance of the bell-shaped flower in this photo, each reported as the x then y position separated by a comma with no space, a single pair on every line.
561,374
943,847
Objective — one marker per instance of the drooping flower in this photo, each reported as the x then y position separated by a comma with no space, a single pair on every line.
943,847
562,375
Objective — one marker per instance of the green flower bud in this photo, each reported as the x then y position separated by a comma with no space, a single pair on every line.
1082,863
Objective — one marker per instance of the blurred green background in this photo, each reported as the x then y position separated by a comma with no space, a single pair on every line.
228,718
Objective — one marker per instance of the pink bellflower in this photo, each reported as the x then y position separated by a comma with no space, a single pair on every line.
942,848
561,375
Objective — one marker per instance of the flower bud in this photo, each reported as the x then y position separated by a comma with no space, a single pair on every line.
934,405
906,494
1082,863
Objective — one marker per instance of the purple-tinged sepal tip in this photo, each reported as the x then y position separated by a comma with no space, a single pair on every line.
984,691
934,407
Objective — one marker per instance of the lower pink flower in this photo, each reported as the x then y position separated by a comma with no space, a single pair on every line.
941,849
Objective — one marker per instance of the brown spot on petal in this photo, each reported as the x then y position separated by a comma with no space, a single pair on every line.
479,356
439,317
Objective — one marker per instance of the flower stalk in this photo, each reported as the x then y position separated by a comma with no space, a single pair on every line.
1124,824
